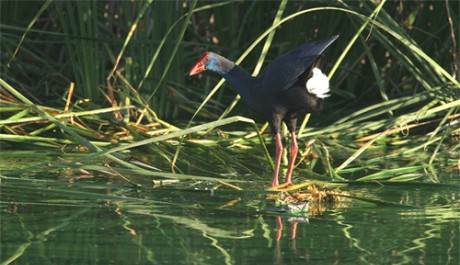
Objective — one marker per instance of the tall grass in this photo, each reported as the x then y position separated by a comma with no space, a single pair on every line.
394,72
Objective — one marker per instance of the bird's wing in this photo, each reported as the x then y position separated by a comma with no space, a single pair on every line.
284,71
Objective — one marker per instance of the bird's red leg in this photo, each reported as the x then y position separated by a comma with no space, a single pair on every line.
279,153
294,150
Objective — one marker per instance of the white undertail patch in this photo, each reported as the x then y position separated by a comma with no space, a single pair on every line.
318,84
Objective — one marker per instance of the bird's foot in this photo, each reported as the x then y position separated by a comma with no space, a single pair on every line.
277,187
288,183
288,180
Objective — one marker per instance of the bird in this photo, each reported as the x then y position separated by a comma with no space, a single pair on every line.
289,87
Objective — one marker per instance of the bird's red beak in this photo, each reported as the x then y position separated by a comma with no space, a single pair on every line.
199,66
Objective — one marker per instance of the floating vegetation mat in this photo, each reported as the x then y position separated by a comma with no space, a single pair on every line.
306,197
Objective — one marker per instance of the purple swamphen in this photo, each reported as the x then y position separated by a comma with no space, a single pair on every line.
288,88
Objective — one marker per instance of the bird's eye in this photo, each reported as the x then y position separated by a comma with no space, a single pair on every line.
206,59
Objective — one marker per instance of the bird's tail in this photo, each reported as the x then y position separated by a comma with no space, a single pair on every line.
318,84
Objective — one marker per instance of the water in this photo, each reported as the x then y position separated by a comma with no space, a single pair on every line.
108,222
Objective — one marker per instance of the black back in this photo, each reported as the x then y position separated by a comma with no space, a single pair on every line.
284,71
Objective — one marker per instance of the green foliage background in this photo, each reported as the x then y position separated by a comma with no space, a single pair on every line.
80,41
394,67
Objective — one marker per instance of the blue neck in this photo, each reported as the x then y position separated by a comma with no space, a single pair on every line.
241,81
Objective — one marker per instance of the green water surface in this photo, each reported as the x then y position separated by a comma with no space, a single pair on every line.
49,219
